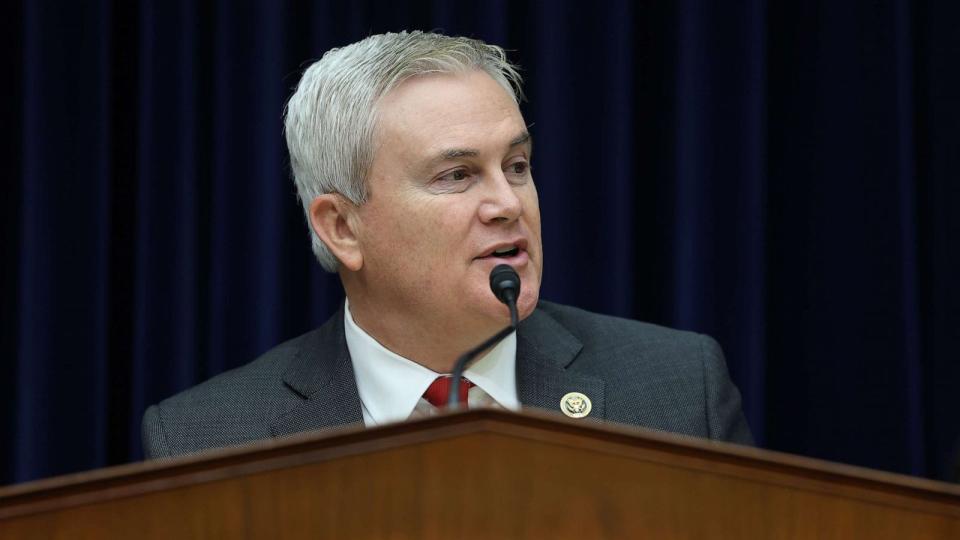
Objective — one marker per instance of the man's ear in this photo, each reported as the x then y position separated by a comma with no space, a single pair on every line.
334,220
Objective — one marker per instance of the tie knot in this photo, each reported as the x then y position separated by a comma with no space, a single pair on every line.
439,391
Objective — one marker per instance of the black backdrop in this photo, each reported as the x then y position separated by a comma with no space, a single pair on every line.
779,175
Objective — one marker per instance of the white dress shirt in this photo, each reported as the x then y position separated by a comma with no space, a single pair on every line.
391,387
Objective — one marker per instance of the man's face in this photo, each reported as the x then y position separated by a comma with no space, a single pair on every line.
450,197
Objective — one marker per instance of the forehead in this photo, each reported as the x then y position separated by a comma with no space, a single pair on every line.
435,111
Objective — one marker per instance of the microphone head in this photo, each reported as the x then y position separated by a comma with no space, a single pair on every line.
504,278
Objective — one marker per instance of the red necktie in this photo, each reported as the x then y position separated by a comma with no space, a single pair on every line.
439,391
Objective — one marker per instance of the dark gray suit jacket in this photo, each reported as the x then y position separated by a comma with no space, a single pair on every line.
634,373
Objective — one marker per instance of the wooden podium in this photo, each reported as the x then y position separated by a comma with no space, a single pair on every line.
483,474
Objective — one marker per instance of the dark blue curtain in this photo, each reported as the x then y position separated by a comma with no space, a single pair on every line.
780,175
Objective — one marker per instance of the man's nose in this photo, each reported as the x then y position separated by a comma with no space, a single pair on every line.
501,202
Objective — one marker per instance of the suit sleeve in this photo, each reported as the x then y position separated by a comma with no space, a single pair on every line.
725,417
154,438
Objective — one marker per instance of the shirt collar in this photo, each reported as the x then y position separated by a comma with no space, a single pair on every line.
390,385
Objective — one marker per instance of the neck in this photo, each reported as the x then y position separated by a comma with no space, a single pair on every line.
434,343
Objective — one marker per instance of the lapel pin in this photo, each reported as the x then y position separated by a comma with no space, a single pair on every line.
575,405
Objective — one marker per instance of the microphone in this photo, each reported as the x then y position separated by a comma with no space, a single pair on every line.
505,284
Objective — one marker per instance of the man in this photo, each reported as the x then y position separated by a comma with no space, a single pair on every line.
412,161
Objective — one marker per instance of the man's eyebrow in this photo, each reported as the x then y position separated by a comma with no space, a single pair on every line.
521,139
455,153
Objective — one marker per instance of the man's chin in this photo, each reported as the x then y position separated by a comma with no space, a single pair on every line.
480,299
526,304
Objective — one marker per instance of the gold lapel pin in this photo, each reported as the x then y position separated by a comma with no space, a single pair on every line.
575,405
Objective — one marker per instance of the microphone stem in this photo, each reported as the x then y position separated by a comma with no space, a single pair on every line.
512,305
453,400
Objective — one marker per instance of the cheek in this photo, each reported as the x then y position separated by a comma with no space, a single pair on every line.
436,234
531,212
392,239
429,234
452,222
531,201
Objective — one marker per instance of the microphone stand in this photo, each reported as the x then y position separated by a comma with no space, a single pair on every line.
453,401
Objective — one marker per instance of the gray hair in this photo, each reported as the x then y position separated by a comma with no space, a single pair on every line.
330,120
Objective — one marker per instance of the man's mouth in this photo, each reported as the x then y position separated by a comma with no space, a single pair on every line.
506,252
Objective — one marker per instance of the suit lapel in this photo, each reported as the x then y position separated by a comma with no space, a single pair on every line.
545,351
321,373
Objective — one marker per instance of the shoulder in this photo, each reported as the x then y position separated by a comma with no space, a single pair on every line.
230,408
654,376
607,334
262,375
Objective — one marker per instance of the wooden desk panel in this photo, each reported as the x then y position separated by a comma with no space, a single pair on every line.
484,474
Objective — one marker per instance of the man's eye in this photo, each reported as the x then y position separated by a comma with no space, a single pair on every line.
458,175
519,167
455,181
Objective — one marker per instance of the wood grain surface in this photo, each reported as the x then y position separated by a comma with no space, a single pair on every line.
483,474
